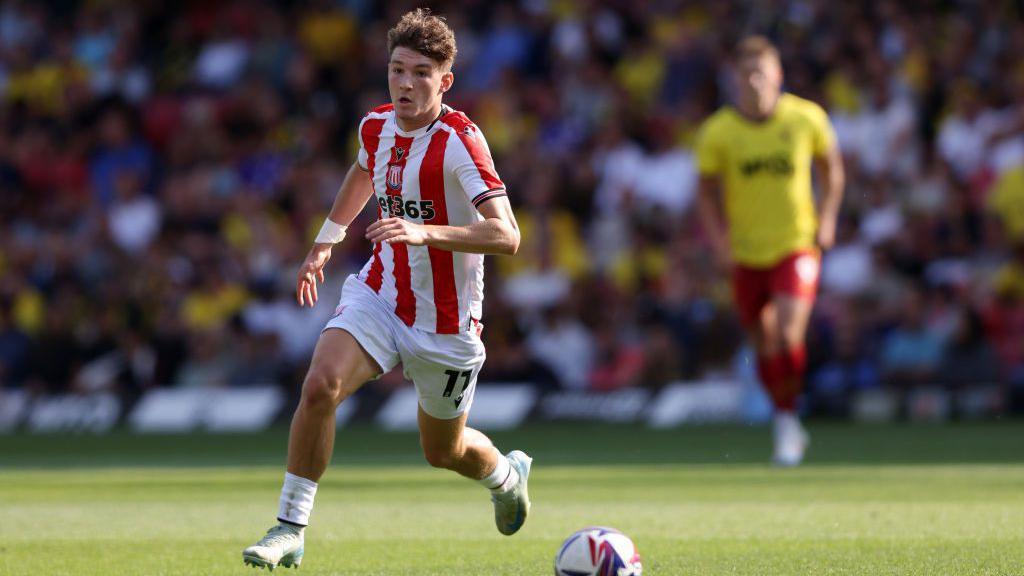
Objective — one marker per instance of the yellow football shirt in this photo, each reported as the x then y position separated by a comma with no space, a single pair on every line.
765,171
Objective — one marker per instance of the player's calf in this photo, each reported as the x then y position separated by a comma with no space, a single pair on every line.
442,458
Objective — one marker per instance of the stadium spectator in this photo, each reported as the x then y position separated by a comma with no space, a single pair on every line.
968,358
912,352
187,156
14,348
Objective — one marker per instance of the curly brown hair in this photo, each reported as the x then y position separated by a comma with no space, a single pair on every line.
425,33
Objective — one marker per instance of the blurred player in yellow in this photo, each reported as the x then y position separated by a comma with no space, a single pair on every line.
759,153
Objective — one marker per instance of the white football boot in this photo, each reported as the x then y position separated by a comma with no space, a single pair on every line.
512,507
282,545
791,440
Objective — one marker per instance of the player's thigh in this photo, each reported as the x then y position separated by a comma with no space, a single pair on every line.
794,286
340,365
752,296
357,344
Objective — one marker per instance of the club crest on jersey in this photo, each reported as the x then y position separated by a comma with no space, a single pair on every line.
394,178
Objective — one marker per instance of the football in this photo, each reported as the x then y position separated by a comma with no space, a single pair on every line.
598,551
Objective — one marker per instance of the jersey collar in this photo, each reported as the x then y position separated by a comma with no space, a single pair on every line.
445,109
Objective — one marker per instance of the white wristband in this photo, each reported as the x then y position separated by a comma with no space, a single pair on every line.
331,232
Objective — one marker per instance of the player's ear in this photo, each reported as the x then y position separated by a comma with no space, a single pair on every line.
447,79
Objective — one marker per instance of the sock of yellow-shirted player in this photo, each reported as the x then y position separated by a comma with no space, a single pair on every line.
503,477
296,500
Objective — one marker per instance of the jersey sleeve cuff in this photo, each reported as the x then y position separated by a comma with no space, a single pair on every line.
488,195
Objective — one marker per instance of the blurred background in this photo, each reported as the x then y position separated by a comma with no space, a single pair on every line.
164,168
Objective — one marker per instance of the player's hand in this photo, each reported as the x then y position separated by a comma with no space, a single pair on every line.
397,230
826,236
311,271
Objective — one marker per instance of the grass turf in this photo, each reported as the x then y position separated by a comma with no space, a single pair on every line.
871,500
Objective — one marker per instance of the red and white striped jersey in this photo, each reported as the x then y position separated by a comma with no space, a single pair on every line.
439,175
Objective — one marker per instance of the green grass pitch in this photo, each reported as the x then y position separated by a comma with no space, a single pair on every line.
870,501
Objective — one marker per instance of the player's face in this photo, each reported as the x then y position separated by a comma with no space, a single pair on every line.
760,79
416,83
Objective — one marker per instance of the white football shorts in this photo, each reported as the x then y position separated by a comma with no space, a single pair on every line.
444,367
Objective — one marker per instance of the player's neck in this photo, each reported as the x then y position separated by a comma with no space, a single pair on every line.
758,111
413,124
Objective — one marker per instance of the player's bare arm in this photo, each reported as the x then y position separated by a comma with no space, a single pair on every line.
711,215
355,190
498,233
833,180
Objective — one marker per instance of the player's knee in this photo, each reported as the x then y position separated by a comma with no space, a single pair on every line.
322,389
441,457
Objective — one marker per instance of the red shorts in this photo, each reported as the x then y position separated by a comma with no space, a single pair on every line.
796,275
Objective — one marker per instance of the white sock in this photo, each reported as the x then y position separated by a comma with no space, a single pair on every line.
296,499
786,420
503,477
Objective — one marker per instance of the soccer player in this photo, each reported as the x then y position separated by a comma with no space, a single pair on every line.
759,152
417,301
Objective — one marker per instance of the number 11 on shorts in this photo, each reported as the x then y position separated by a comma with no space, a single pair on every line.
453,378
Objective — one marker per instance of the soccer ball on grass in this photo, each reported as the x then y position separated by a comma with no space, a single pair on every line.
598,551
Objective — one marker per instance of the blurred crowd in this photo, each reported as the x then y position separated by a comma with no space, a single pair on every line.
164,167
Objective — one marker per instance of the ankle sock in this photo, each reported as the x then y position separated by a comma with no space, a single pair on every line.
503,477
296,500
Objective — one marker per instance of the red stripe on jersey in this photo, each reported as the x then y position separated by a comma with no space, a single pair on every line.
442,265
481,157
375,277
406,305
371,140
